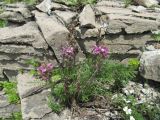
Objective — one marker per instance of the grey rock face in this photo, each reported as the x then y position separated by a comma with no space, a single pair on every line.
58,6
150,65
66,16
131,22
27,34
45,6
16,13
110,3
27,85
1,74
147,3
12,16
19,49
35,106
23,11
54,32
119,44
6,109
87,17
87,33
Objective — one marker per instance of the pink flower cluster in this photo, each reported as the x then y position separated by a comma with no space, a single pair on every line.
100,50
45,70
68,52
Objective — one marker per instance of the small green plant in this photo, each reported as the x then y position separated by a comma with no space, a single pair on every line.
33,62
10,88
16,116
3,23
26,1
156,37
127,2
134,63
56,107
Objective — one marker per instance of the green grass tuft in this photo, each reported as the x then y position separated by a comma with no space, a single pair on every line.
10,88
3,23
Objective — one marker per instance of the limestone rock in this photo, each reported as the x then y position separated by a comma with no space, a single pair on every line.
45,6
20,49
55,33
1,74
110,3
65,115
35,106
7,112
87,17
6,65
138,9
27,34
57,6
16,5
23,11
28,85
12,16
3,101
87,33
6,109
10,75
147,3
121,44
67,16
150,65
130,24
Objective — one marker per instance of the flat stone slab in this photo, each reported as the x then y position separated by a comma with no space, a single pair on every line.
28,85
27,34
150,65
55,33
66,16
6,109
35,106
87,17
1,74
20,49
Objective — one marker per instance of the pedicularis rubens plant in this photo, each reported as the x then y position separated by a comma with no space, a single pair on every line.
74,83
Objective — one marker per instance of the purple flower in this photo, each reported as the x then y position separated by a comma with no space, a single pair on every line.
100,50
68,52
45,70
42,69
49,66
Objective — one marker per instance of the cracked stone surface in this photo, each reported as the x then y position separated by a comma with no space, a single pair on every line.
67,16
35,106
87,17
150,65
55,33
6,109
28,85
27,34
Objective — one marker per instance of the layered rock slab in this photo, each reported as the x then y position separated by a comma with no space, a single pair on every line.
66,16
147,3
34,99
55,33
27,34
87,17
150,65
27,85
7,109
18,13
